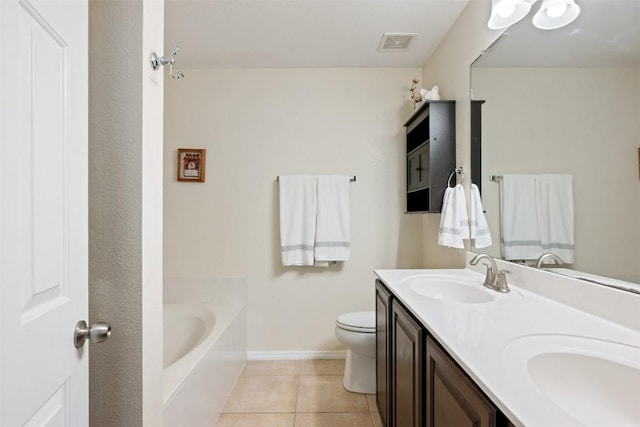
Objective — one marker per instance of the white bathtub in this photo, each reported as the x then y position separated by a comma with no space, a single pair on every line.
204,353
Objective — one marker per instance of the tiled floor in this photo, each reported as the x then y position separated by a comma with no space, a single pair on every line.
296,393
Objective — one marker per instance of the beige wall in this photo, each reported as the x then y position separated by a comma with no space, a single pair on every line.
449,69
579,121
125,212
256,125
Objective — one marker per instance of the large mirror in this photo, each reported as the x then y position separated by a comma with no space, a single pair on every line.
567,101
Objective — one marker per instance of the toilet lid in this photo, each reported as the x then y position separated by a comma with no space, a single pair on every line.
360,321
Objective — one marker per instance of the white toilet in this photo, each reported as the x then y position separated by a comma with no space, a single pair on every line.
357,331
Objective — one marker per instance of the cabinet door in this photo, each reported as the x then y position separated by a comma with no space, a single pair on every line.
424,166
452,400
383,389
418,168
413,169
407,369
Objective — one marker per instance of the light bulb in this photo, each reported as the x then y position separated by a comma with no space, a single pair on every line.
507,11
556,10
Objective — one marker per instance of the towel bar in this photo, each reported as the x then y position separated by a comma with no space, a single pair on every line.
351,178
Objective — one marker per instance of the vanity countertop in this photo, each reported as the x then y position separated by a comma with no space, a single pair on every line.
561,329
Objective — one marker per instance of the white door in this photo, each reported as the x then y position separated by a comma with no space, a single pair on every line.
43,212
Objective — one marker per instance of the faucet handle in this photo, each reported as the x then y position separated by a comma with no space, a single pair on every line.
501,285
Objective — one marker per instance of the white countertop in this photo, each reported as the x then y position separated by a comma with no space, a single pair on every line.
492,341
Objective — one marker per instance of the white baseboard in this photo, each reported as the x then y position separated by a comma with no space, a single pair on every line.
295,355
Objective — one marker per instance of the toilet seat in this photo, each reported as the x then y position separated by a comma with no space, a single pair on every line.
360,321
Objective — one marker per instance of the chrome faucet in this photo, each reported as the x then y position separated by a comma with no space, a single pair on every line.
548,256
495,279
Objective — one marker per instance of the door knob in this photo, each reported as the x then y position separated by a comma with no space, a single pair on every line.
98,332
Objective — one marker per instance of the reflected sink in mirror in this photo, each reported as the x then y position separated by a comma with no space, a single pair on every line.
461,290
591,380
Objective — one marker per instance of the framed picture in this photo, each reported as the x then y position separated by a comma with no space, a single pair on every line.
191,164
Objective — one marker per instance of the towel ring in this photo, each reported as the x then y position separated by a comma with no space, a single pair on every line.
456,170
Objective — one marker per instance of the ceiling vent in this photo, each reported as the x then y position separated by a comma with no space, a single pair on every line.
396,42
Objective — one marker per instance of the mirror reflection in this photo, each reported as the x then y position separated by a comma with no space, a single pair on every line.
567,102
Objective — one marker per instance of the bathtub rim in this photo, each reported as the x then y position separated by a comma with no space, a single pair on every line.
177,373
205,314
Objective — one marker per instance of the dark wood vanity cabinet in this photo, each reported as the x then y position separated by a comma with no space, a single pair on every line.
417,383
451,398
407,369
383,349
431,154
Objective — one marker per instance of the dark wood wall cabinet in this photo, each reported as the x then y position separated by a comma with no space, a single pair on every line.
476,143
431,154
418,383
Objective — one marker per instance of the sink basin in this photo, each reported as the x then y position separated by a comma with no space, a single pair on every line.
592,380
450,289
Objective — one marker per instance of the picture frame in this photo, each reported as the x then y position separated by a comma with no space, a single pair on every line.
191,164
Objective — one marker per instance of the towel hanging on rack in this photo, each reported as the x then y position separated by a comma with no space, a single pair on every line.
333,229
537,216
454,221
554,202
519,218
314,219
298,203
479,229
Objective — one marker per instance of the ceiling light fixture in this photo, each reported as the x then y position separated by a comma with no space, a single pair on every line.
555,14
551,15
507,12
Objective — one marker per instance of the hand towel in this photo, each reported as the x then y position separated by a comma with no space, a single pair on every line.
479,229
298,204
333,229
454,221
554,202
520,226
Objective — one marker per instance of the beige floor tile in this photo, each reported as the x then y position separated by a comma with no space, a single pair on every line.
272,367
260,393
371,401
333,420
325,393
255,420
322,367
377,421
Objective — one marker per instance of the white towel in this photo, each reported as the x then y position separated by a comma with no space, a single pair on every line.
520,226
554,201
479,229
298,204
454,221
333,229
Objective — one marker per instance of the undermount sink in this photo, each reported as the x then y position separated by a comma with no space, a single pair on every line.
592,380
449,289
